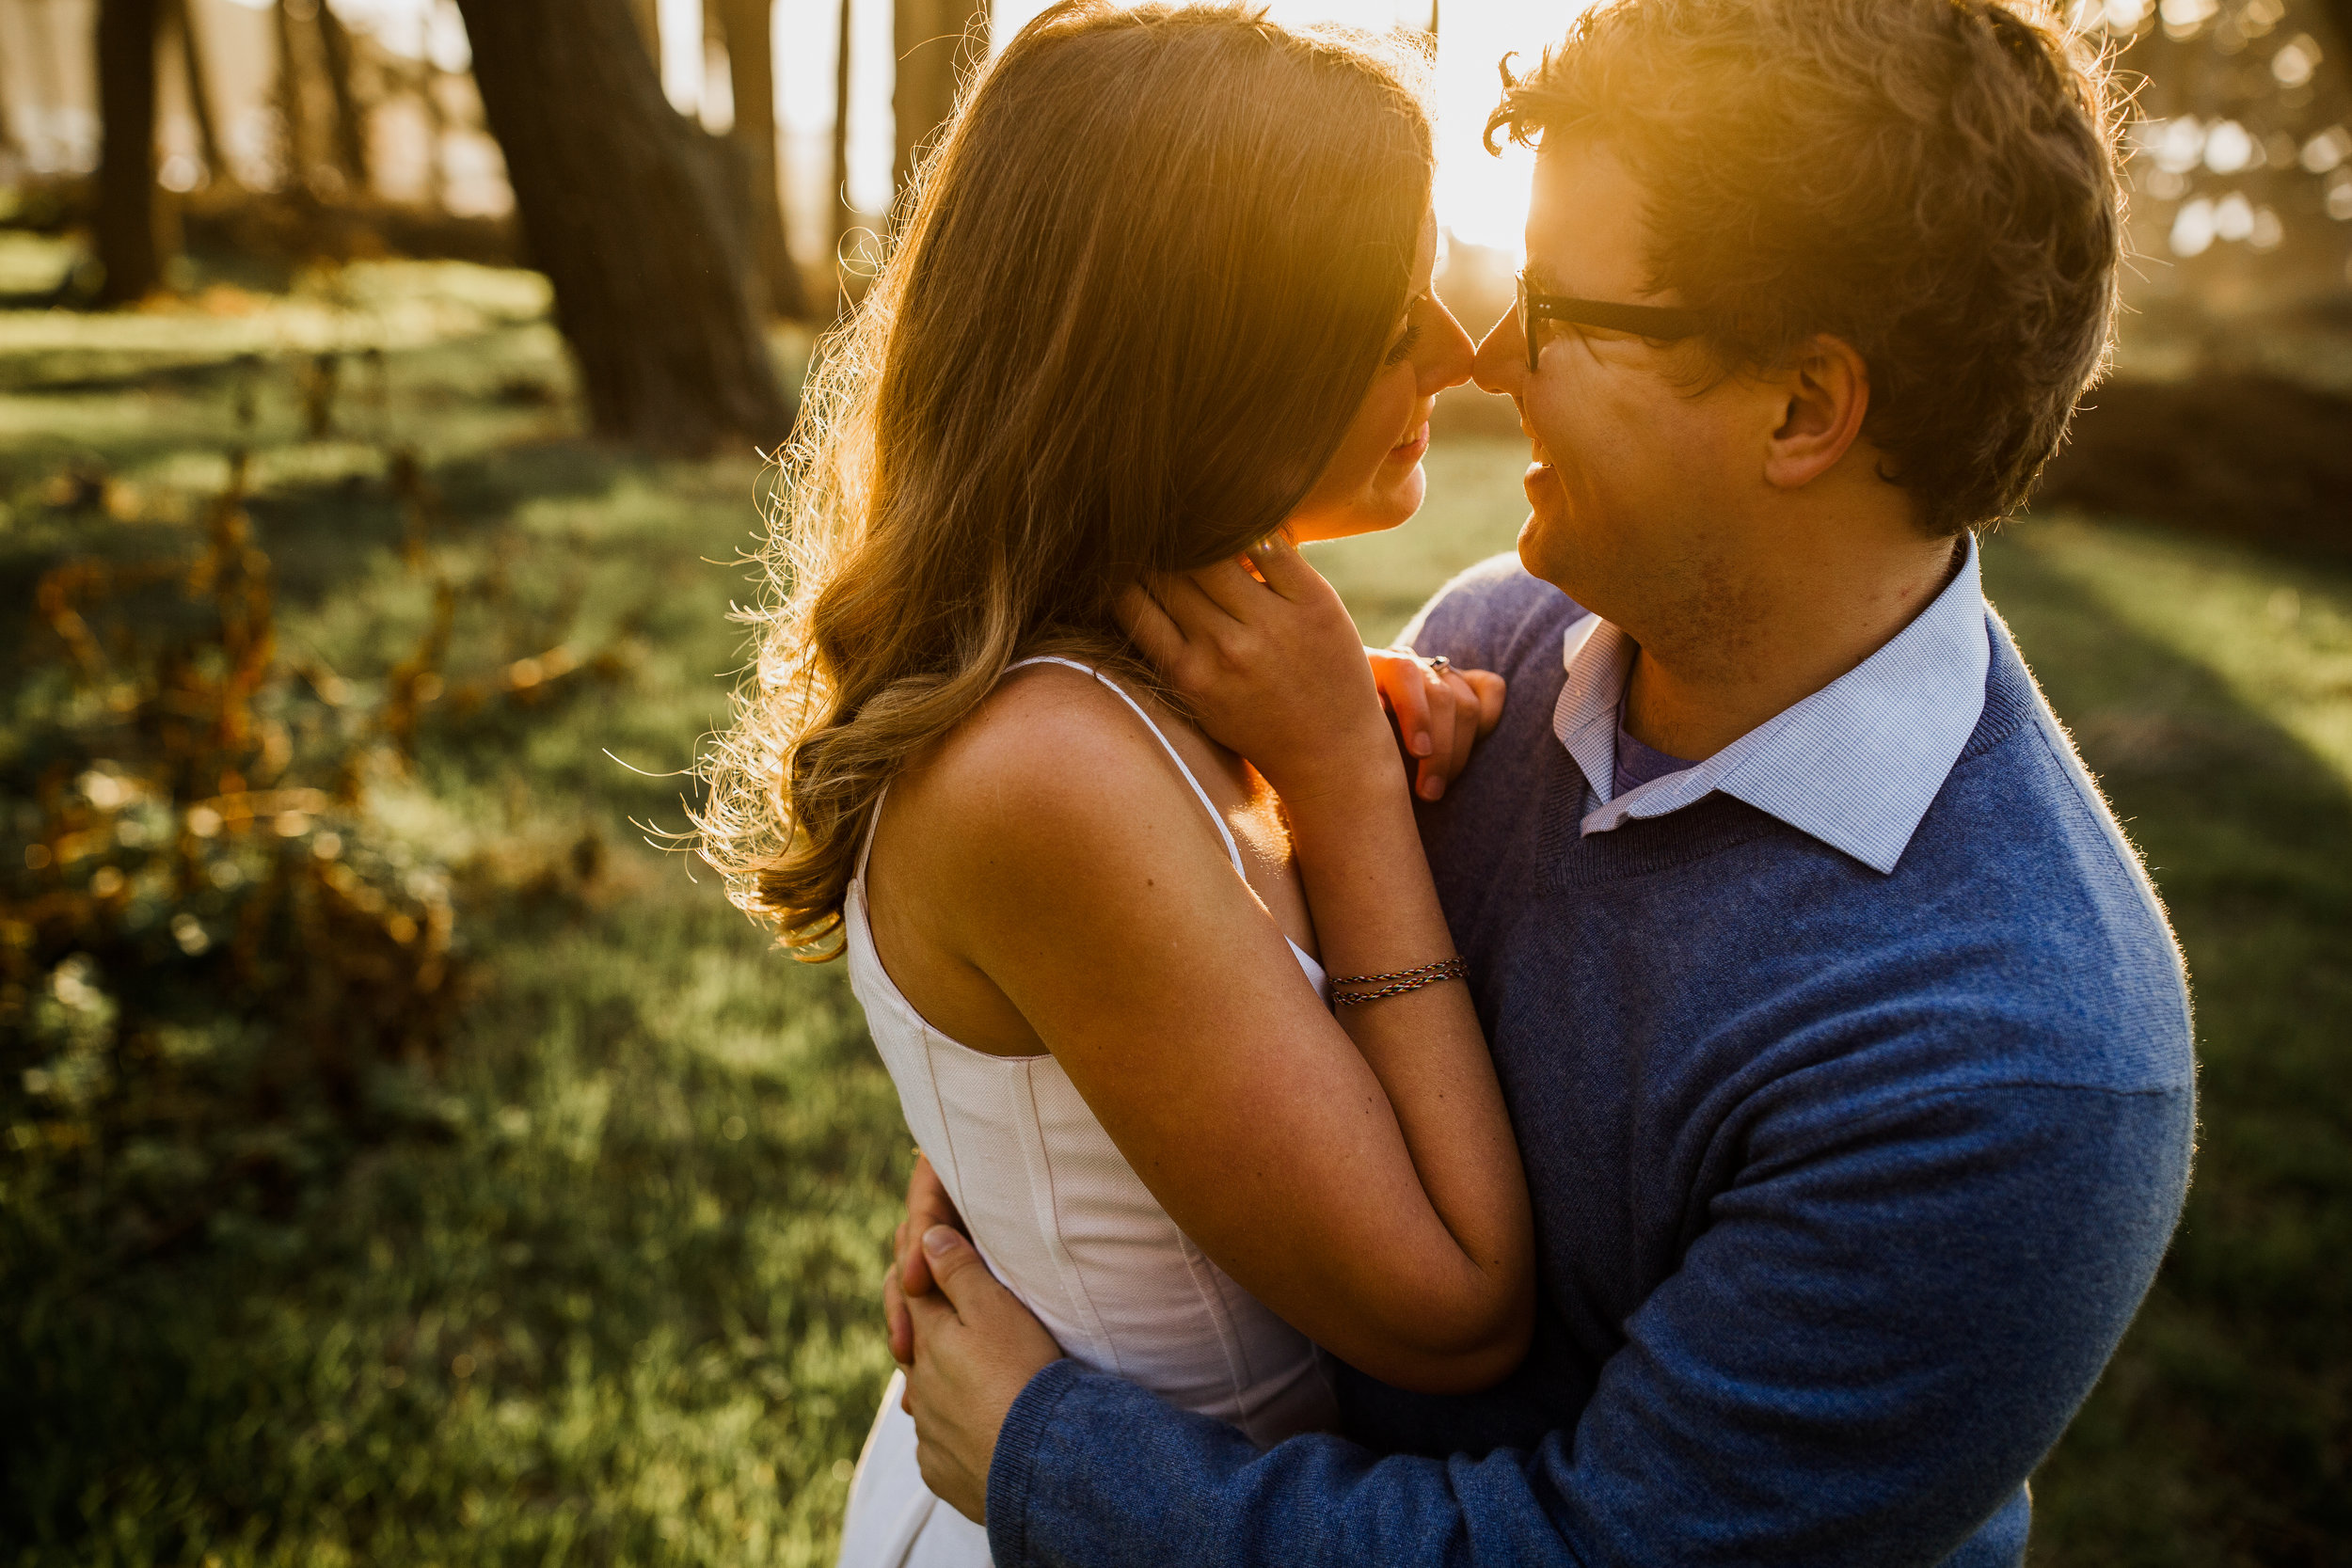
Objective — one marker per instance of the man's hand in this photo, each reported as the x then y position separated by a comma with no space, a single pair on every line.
1439,712
976,1348
928,1204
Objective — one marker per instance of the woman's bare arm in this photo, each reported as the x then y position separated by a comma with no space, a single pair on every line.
1367,1189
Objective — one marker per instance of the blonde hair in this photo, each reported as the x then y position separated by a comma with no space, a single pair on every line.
1138,294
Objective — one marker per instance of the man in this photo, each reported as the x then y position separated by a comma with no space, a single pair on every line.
1846,1043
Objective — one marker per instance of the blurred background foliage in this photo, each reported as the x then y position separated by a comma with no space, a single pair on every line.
401,1161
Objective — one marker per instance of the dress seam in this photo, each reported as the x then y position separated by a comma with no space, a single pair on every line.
1058,1245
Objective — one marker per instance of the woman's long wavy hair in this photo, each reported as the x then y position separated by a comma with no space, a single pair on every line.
1137,295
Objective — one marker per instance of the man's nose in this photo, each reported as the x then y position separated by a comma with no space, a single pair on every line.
1501,363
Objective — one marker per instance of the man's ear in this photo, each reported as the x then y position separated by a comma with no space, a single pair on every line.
1825,392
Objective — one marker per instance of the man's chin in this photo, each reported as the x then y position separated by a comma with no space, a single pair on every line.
1530,556
1538,543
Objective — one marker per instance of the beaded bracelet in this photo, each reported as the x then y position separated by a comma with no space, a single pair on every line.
1403,980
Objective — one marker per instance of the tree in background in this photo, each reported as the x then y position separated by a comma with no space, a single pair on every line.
351,122
325,146
129,236
181,19
648,17
748,29
2241,149
293,117
844,217
629,216
938,42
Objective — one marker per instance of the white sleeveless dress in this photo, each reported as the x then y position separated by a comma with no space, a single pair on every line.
1065,1223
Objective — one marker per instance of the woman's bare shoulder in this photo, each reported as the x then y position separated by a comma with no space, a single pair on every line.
1051,756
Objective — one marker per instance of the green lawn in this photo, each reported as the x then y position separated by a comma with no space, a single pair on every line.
596,1282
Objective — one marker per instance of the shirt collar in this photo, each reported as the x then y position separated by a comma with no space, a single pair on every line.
1855,764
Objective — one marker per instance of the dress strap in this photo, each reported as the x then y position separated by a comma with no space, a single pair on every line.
1232,849
865,845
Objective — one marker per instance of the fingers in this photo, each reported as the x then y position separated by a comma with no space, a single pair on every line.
1442,713
929,1317
906,1252
928,1204
1399,678
1489,687
1201,619
1434,770
961,1277
900,1323
1228,586
1432,773
967,1289
1466,731
1286,571
1439,712
1156,636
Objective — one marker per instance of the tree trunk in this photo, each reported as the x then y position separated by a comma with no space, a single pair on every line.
216,168
11,150
2340,13
937,41
291,109
648,17
747,25
626,207
351,120
844,216
129,244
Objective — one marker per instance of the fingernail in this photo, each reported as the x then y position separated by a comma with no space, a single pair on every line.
1422,746
937,1240
1432,788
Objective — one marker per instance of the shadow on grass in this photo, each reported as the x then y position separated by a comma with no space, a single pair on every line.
2222,1433
621,1311
321,534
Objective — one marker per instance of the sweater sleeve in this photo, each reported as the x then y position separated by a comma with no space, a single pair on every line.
1881,1328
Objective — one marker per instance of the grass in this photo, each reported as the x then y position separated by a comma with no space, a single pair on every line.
607,1294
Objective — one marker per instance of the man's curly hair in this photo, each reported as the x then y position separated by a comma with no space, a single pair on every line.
1935,182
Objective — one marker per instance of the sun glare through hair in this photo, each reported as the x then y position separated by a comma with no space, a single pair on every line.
1481,198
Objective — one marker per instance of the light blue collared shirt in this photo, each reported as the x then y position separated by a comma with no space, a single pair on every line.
1855,764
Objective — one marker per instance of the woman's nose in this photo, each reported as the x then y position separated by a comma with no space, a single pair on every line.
1449,359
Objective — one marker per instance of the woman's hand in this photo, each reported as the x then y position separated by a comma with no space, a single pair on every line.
1439,712
1271,666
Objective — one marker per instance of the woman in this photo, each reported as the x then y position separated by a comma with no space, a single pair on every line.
1163,299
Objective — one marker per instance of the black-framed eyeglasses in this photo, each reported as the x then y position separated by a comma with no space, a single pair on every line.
1664,323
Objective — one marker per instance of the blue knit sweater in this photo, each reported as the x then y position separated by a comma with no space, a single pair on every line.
1846,1185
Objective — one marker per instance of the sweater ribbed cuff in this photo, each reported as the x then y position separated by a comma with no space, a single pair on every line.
1014,1461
